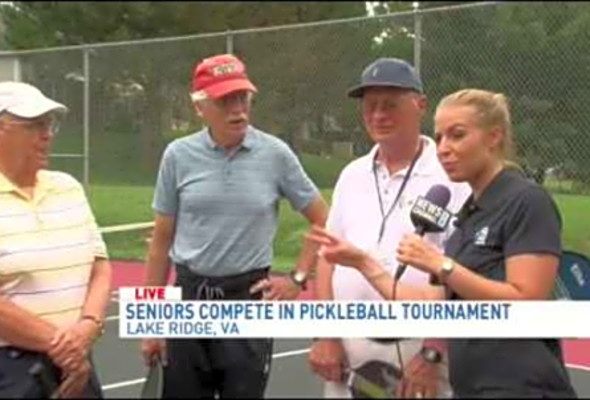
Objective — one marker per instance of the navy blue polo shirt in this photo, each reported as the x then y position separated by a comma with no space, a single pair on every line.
513,216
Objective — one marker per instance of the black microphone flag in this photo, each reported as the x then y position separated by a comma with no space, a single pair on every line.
429,214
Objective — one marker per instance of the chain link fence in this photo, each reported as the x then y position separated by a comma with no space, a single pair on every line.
128,100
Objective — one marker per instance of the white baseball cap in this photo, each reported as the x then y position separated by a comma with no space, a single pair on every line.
26,101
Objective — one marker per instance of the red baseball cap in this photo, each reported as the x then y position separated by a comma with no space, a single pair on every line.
219,75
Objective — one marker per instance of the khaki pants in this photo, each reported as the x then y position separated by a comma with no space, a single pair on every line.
358,351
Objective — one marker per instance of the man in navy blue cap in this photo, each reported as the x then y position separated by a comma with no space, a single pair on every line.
388,73
371,208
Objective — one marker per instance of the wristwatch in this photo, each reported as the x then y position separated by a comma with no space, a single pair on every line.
431,355
299,278
446,269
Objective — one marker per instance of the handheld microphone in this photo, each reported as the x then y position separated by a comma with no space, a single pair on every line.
429,215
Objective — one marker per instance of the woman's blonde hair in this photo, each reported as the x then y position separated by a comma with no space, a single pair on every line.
491,111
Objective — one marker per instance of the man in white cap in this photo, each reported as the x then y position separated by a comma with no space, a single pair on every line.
54,273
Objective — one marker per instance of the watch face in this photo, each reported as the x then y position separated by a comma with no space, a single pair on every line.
431,355
447,268
300,276
447,265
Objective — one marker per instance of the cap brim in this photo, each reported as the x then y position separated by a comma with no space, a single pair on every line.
358,91
223,88
36,109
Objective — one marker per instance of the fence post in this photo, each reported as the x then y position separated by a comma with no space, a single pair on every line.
229,42
16,69
86,144
417,36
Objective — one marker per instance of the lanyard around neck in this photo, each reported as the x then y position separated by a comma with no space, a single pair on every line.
385,216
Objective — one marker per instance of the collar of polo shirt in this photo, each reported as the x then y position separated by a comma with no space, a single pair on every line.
43,183
5,184
492,194
247,143
427,163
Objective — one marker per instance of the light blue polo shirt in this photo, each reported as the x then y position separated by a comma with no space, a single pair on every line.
226,207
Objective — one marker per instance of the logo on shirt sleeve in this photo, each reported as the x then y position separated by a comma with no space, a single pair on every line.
481,236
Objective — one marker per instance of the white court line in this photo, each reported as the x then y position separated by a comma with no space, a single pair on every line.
578,366
126,227
142,380
275,356
123,384
291,353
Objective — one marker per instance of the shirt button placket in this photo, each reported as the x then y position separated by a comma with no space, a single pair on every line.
227,168
386,185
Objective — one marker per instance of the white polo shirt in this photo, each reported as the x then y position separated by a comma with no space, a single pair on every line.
356,217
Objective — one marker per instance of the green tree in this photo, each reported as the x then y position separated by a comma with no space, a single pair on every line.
162,71
535,54
44,24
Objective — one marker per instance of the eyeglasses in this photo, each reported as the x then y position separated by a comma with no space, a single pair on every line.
241,98
35,126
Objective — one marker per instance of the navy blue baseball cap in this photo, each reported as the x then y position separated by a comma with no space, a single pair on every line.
388,72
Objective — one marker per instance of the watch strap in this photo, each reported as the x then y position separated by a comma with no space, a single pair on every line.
96,321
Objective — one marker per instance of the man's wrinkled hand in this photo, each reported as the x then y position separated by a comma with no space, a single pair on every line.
87,331
154,350
75,381
276,288
68,349
420,379
327,359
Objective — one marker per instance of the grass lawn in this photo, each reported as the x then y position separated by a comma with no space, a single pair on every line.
114,205
576,220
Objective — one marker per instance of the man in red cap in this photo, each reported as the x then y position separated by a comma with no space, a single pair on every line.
216,203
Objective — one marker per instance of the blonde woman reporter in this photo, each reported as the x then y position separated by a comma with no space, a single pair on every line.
506,246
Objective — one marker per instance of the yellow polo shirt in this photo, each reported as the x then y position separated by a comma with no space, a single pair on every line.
47,247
